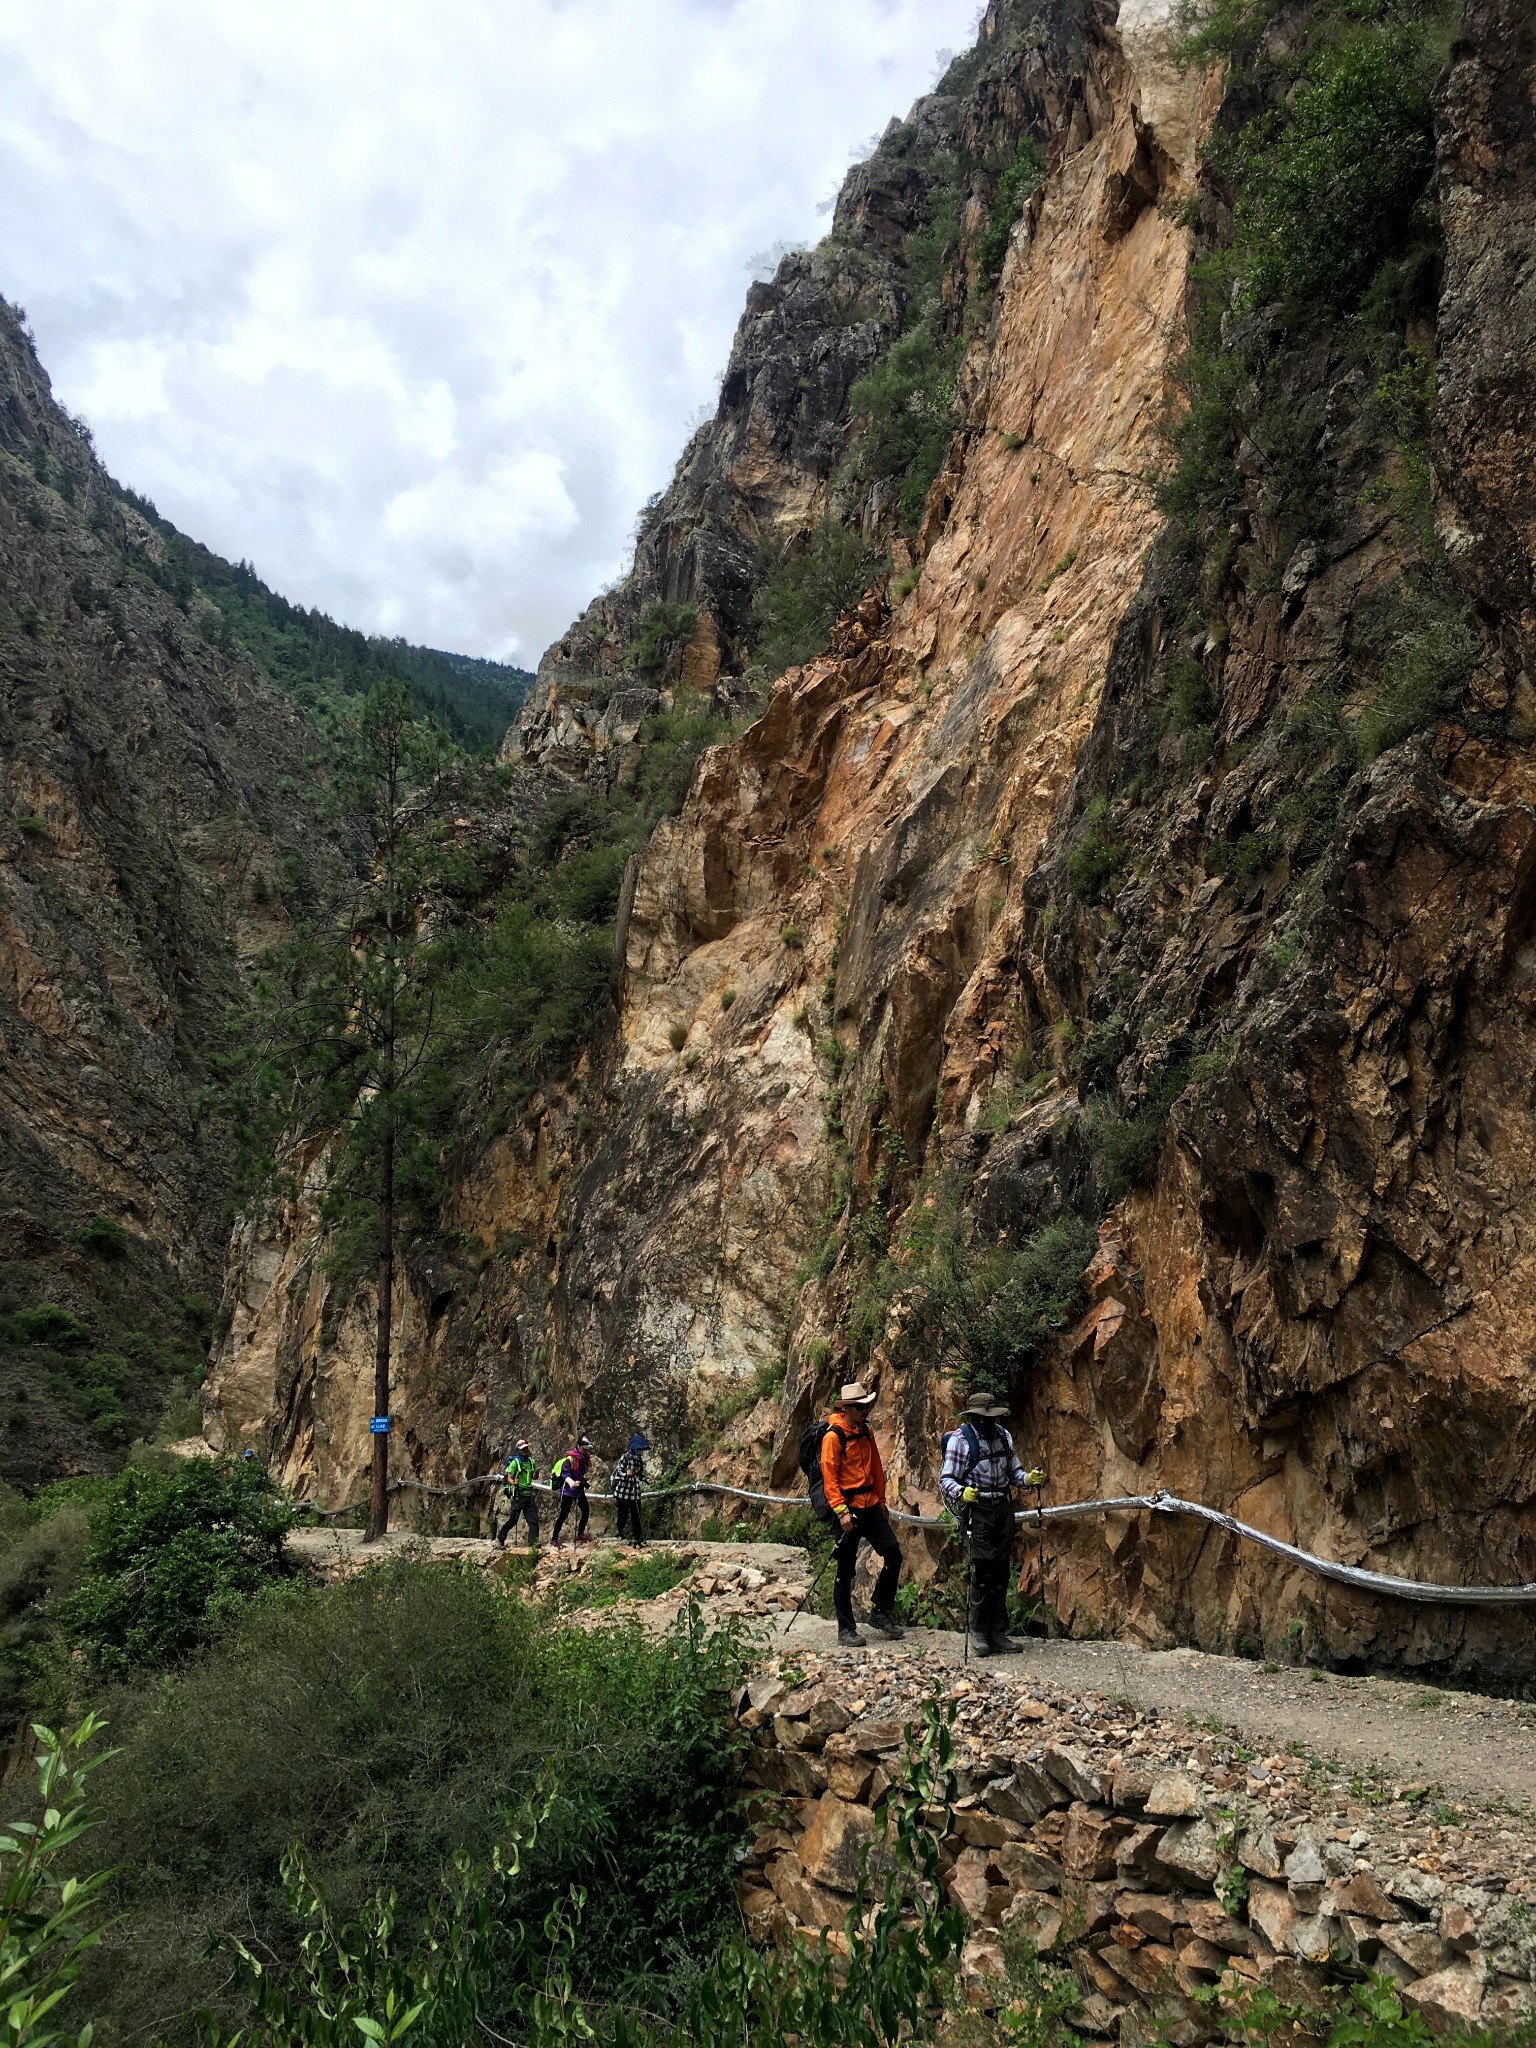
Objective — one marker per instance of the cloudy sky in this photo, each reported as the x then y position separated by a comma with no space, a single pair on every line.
412,302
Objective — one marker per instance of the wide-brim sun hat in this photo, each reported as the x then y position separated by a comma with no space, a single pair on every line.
856,1395
986,1405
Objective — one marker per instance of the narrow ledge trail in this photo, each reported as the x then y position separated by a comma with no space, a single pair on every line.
1472,1746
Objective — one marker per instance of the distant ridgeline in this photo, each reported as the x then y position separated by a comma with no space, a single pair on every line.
309,656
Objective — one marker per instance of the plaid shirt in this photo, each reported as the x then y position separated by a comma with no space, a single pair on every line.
994,1472
627,1480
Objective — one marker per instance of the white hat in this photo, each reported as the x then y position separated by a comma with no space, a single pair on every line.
856,1395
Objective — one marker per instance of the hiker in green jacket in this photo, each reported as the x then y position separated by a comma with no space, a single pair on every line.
518,1502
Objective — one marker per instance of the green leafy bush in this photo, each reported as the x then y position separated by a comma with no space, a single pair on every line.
104,1237
1326,186
1427,665
1097,855
664,631
905,405
46,1323
45,1917
804,591
1022,177
389,1723
171,1559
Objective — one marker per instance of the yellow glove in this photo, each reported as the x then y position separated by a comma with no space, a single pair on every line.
1036,1477
968,1494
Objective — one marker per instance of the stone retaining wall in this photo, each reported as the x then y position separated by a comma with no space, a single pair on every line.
1158,1860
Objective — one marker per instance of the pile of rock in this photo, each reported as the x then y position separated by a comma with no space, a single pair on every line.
1161,1863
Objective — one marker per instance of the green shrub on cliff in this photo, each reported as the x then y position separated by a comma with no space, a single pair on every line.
804,591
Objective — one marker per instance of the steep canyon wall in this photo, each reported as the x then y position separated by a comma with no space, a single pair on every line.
973,903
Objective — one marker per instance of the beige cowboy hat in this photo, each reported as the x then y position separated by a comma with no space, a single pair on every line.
987,1405
856,1395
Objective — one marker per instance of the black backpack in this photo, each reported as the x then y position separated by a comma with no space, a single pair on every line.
810,1465
972,1444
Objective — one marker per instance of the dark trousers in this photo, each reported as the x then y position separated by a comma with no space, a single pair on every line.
629,1518
871,1526
988,1536
521,1507
567,1502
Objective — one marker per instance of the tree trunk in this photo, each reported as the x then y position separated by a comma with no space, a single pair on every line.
378,1490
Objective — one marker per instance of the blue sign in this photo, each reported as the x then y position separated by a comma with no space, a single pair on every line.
378,1425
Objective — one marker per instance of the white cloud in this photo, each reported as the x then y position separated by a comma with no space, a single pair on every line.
411,302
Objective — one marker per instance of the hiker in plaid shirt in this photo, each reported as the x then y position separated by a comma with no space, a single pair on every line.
980,1471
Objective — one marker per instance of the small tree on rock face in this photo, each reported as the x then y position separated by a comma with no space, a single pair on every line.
338,1044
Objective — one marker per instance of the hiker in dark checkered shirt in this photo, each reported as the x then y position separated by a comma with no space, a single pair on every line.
626,1482
980,1471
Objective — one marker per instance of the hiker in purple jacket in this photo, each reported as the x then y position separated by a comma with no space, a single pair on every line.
571,1471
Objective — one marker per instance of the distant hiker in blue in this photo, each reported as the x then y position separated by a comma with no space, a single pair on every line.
518,1502
626,1483
571,1472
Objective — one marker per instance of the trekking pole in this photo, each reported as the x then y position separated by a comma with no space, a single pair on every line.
812,1590
1040,1531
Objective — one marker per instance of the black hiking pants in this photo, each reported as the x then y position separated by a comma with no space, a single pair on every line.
521,1507
567,1502
629,1518
871,1526
988,1537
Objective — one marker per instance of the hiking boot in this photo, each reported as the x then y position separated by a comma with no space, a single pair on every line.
848,1636
886,1625
1003,1645
977,1643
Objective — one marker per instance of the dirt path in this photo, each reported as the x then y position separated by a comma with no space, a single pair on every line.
1473,1746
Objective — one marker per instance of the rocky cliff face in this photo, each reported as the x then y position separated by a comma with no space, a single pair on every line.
151,793
1176,880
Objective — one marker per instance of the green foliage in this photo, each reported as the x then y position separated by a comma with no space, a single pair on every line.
312,659
1429,662
47,1323
804,591
170,1560
388,1724
1097,854
1022,177
984,1310
45,1929
904,402
104,1237
1326,186
664,631
487,1965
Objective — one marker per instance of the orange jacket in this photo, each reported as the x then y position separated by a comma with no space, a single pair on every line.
851,1475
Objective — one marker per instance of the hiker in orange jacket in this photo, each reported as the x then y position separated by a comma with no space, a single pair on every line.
853,1480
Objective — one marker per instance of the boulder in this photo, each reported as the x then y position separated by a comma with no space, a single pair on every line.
1258,1851
970,1885
1271,1912
1089,1841
849,1777
985,1830
1069,1767
829,1716
1130,1789
1450,1999
1026,1796
795,1734
1363,1894
1173,1796
833,1846
874,1738
1027,1867
1189,1851
1039,1916
1153,1914
1419,1945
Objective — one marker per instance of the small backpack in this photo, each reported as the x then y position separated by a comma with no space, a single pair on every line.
810,1465
558,1470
